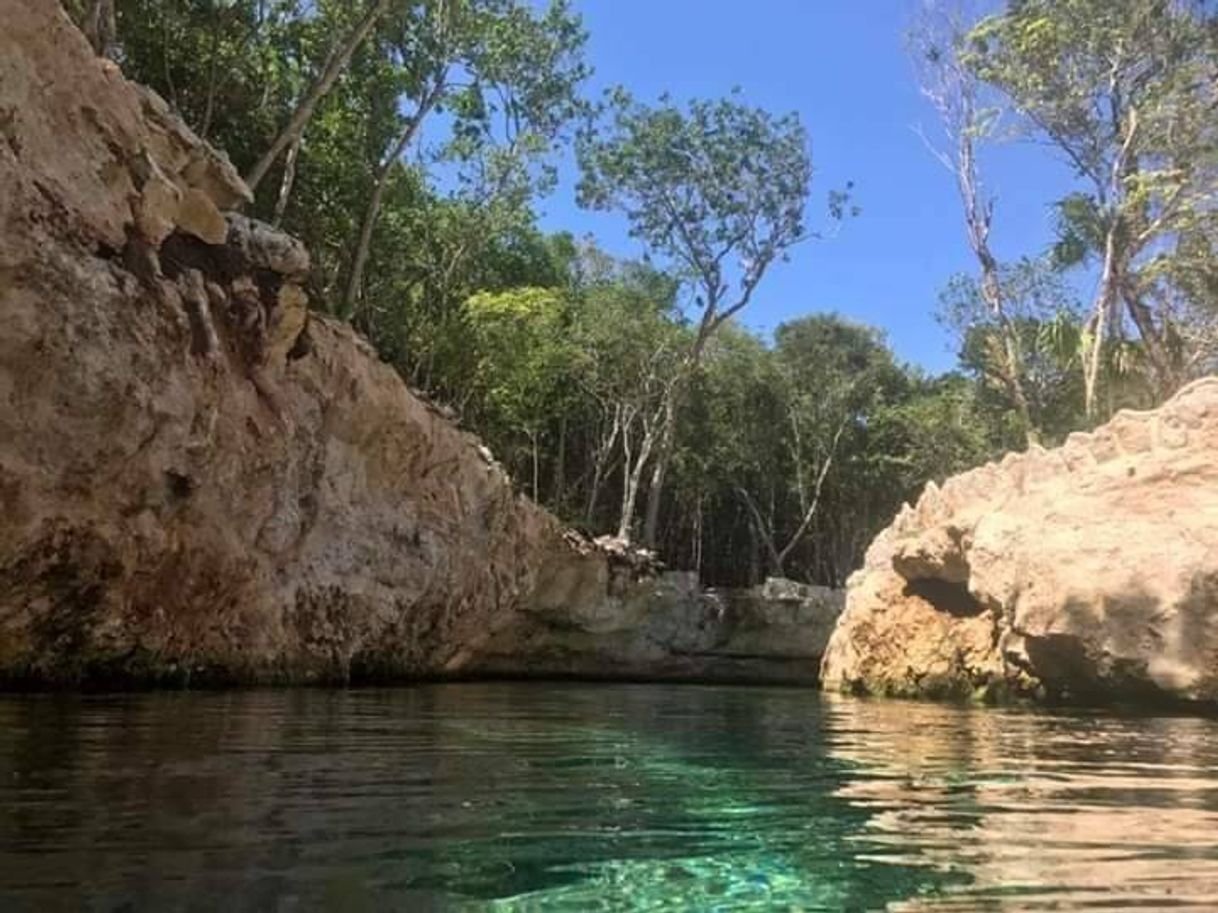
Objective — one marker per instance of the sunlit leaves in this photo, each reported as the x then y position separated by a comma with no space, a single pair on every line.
717,188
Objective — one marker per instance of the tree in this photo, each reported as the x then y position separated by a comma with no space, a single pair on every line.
333,66
508,77
97,20
626,328
717,190
523,360
953,89
1125,89
1043,317
791,456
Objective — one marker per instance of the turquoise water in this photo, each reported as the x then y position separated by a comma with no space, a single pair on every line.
552,797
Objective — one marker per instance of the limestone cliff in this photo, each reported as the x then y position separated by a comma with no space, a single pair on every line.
197,480
1085,572
594,619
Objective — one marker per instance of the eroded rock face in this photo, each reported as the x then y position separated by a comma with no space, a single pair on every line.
594,617
197,480
1085,572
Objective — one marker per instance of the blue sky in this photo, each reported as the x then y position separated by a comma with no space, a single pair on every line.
842,65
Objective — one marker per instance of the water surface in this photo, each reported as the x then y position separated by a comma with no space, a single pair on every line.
557,797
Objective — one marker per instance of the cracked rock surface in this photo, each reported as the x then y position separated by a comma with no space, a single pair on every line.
198,479
1087,572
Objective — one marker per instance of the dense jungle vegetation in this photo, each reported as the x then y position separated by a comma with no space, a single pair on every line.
406,142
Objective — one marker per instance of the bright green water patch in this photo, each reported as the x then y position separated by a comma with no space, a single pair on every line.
548,797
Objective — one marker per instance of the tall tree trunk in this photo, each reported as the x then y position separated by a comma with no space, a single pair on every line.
355,279
1116,258
601,462
659,470
1102,311
536,464
952,88
335,63
712,319
1167,374
697,536
632,475
559,485
763,532
99,26
809,514
979,221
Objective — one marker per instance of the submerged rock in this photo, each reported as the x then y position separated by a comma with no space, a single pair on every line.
1088,572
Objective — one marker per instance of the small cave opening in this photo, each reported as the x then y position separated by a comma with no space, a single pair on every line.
179,486
302,346
221,263
946,596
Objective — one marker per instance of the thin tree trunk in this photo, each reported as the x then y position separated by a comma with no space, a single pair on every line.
697,543
1103,309
952,88
99,26
536,467
289,179
355,280
560,466
600,463
632,478
209,109
979,220
1112,276
810,513
655,492
335,63
712,319
762,531
1166,374
659,470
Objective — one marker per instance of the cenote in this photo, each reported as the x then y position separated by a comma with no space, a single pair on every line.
566,797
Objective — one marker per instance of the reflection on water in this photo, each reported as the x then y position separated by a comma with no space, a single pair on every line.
1042,811
574,798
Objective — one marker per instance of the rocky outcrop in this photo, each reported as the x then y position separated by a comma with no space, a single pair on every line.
197,480
592,618
1086,572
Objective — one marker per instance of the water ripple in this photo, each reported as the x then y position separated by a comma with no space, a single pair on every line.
597,798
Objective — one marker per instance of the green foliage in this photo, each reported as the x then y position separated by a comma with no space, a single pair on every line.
764,421
524,364
718,189
1125,89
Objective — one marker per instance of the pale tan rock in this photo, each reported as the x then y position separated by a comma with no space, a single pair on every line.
1090,572
198,216
592,617
156,213
288,321
96,135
